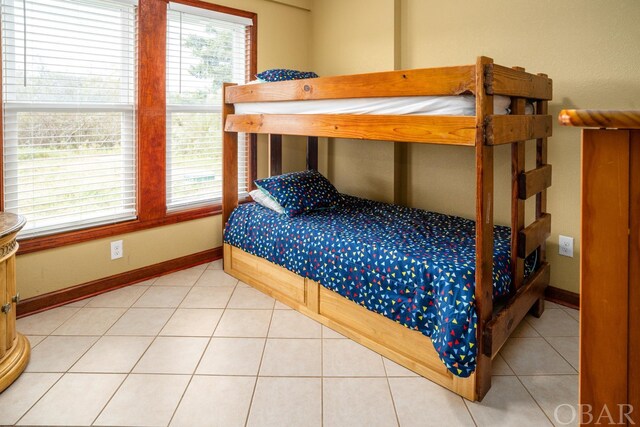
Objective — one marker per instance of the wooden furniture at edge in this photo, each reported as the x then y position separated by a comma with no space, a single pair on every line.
609,261
14,347
481,132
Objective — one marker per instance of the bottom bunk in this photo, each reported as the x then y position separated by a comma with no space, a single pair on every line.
398,280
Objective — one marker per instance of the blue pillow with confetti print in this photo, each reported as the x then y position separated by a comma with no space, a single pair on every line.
280,74
300,192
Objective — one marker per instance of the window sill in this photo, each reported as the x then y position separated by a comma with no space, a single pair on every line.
35,244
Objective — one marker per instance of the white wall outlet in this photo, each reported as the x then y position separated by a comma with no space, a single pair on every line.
116,249
565,244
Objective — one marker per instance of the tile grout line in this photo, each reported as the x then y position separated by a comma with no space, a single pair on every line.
534,399
73,364
255,386
393,402
141,356
195,369
466,405
40,398
551,345
68,371
520,380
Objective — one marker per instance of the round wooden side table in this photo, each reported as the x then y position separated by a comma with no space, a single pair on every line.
14,348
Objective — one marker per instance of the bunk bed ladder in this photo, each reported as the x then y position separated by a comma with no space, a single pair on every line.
527,294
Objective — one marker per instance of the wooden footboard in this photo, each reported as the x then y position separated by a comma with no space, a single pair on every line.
404,346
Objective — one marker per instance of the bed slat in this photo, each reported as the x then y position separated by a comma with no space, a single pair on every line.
534,235
502,325
508,129
514,82
533,182
420,82
453,130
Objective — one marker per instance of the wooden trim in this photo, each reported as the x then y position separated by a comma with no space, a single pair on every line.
534,235
215,7
454,130
509,317
95,287
419,82
312,153
508,129
516,82
484,226
40,243
612,119
534,181
405,346
151,110
275,154
562,297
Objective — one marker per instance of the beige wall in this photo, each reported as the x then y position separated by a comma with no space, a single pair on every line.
356,36
283,37
588,47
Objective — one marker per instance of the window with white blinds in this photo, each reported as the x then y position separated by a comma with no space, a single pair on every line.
204,49
69,124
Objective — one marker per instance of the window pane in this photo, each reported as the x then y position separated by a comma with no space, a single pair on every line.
202,53
69,122
68,169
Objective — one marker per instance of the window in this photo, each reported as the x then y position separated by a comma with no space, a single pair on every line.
204,49
83,145
68,103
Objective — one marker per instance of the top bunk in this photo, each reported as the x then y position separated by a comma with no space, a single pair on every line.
284,107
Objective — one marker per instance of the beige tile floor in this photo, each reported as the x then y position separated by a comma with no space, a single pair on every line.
199,348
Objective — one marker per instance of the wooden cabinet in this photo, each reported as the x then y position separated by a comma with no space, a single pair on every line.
609,266
14,348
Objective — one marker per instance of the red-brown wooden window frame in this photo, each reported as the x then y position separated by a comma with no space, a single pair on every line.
151,133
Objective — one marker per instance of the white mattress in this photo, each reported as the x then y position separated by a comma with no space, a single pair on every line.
463,105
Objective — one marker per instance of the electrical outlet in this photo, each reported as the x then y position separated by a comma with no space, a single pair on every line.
565,244
116,249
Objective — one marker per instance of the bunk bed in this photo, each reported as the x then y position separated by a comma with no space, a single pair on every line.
481,130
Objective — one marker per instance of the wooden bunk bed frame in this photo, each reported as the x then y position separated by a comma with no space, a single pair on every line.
483,131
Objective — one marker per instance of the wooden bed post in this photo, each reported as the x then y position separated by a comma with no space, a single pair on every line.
484,222
229,161
275,154
312,153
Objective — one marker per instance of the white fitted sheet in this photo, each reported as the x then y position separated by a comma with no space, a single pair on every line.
463,105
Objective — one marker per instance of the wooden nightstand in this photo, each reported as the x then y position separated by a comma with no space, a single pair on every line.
14,347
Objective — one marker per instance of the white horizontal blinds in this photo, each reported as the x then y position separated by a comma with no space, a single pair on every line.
204,50
68,99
